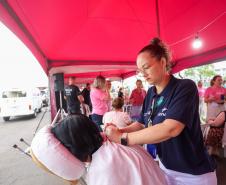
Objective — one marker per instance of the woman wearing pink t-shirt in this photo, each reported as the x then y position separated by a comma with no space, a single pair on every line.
215,98
99,98
201,92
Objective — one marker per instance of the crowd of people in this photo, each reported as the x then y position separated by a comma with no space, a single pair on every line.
166,117
95,100
212,105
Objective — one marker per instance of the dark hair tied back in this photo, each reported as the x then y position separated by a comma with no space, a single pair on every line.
159,50
155,41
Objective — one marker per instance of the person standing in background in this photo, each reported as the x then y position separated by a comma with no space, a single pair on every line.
136,99
215,98
108,90
224,83
86,95
120,93
73,97
201,92
100,98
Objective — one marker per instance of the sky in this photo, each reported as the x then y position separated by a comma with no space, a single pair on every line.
18,67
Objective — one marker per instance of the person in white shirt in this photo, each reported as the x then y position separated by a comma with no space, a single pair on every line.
117,116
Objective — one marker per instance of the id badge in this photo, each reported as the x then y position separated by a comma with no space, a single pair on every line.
150,122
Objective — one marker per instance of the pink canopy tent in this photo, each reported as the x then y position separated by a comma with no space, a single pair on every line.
86,38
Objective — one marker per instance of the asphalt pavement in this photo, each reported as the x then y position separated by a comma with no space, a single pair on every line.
15,167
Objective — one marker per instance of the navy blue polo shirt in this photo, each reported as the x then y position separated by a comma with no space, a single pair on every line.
179,101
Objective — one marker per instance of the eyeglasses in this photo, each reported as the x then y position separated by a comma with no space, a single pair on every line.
143,71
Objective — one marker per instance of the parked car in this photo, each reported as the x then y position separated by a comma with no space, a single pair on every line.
20,102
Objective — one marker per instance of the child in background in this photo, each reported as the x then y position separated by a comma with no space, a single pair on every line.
117,116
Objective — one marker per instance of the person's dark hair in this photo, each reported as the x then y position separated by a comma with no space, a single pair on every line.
211,82
215,77
72,77
199,82
159,50
79,135
117,103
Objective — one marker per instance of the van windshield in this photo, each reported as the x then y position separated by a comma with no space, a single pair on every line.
13,94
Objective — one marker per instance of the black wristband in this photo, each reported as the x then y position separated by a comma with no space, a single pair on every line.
124,140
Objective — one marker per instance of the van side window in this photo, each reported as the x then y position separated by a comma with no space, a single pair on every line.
14,94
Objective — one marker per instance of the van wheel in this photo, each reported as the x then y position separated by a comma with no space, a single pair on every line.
6,118
35,114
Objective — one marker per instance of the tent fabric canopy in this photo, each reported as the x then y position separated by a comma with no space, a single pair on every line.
108,34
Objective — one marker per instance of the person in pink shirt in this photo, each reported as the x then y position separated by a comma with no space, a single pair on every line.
201,92
201,89
99,99
136,99
215,98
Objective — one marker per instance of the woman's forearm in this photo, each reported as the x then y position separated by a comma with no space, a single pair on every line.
132,127
156,133
219,120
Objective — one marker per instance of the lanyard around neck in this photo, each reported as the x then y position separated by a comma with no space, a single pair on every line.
154,106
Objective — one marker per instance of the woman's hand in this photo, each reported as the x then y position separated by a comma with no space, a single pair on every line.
108,124
131,100
220,101
113,133
210,121
211,99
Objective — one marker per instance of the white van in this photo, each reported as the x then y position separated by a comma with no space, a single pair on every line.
20,102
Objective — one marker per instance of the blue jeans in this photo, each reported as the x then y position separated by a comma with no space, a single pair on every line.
97,119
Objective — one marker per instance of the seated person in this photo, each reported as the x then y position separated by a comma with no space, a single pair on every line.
117,116
215,134
109,163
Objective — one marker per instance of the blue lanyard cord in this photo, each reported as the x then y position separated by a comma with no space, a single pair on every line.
151,112
154,105
161,101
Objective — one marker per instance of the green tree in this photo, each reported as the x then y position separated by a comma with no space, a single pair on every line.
190,72
204,73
